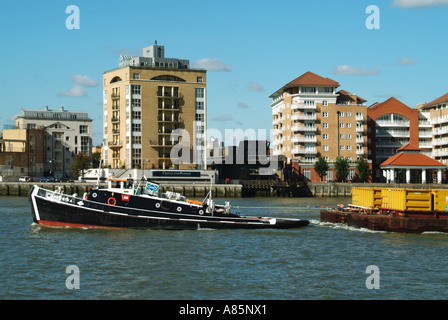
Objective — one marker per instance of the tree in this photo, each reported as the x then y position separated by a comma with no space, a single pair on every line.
363,170
341,166
81,163
96,158
321,167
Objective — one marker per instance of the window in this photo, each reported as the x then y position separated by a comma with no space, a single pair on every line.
341,136
85,144
308,89
341,125
136,114
349,148
348,114
325,136
307,173
136,127
325,148
349,125
137,139
341,147
199,79
349,136
135,89
199,93
324,103
325,125
83,129
136,76
341,114
325,114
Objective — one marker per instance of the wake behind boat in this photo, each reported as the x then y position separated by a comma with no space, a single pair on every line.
122,205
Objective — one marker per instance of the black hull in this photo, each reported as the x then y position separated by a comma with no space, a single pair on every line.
49,208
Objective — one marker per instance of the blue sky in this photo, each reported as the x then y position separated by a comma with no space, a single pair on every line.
252,48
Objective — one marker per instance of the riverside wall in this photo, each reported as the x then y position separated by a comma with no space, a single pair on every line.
319,189
21,189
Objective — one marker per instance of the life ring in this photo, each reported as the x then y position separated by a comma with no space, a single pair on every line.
111,201
179,209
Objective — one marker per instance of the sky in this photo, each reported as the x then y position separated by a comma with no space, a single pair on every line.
250,49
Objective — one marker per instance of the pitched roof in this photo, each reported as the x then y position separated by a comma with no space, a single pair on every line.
441,99
309,78
408,157
409,147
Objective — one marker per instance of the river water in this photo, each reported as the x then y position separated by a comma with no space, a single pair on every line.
319,262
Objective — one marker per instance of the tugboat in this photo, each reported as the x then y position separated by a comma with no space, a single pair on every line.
122,205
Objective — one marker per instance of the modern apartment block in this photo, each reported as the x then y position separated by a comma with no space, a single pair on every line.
311,119
22,152
437,113
67,133
145,101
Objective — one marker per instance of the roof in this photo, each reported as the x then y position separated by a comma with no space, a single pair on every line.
391,102
408,157
308,79
441,99
351,96
409,147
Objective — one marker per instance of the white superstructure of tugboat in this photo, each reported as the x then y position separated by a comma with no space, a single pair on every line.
123,205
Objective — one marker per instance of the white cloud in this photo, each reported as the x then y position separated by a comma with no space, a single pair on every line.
242,105
418,3
253,86
351,70
406,61
211,65
83,80
224,117
75,91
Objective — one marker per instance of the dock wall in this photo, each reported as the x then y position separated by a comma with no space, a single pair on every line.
21,189
320,189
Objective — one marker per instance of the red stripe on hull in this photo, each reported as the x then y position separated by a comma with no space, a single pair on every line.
73,225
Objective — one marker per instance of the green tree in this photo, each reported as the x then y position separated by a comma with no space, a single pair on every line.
341,166
81,163
96,158
363,170
321,167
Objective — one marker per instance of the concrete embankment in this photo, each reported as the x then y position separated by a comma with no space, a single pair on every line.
21,189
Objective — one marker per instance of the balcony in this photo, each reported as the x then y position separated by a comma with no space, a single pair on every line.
303,117
115,119
303,140
359,151
115,96
388,123
115,144
303,106
304,128
304,151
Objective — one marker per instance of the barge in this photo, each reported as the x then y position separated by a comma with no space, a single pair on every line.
394,210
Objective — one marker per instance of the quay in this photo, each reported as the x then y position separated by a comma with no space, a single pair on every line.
21,189
247,188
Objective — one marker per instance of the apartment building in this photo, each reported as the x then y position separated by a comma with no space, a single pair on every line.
67,133
436,112
22,152
147,101
311,119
